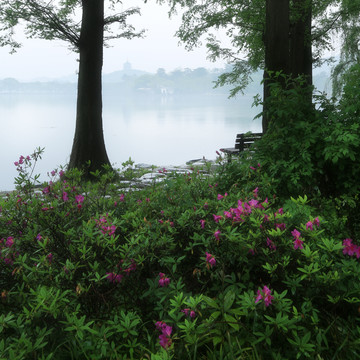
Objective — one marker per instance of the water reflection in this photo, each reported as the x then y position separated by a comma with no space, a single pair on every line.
150,129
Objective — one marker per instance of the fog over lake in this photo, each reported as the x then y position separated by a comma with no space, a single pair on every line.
159,130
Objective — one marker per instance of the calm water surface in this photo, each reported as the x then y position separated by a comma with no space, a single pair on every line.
151,130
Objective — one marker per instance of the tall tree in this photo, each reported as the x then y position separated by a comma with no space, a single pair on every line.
253,27
59,20
276,40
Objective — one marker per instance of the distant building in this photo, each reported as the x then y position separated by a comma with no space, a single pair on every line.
127,67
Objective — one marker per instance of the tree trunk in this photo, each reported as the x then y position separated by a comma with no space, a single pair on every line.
276,40
89,145
300,40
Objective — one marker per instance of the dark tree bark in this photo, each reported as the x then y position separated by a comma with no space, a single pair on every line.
276,40
300,40
89,145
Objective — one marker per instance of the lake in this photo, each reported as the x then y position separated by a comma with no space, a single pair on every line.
158,130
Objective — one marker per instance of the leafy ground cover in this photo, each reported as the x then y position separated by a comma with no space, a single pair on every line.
194,267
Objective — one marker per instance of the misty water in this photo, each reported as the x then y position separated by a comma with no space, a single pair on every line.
158,130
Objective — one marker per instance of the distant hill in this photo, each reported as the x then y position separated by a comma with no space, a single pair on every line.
120,75
129,80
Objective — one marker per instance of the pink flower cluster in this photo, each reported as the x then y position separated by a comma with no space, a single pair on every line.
264,294
298,242
116,277
190,313
10,257
163,281
310,224
106,227
270,244
79,199
350,248
210,259
166,330
244,209
9,242
220,197
21,161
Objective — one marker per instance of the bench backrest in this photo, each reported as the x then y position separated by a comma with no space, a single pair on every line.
244,141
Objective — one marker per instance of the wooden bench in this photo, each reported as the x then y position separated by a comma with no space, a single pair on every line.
242,142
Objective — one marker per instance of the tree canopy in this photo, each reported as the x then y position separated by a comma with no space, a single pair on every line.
244,24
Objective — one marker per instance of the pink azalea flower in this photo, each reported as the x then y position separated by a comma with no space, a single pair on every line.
253,203
217,218
202,223
270,244
316,222
296,234
165,340
258,297
160,325
219,197
309,225
65,196
114,278
349,248
163,281
79,199
210,259
255,191
264,294
189,312
281,226
9,242
298,244
217,234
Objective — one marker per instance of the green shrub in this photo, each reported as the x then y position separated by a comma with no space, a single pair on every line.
312,148
182,269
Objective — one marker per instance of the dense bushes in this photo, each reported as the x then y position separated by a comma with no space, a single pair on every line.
189,268
312,148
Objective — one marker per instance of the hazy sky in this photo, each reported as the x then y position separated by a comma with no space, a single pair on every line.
40,58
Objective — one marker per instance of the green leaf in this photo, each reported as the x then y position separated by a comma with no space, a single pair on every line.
228,300
232,322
